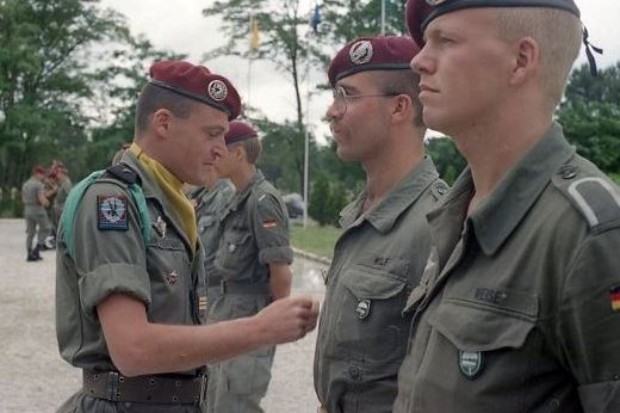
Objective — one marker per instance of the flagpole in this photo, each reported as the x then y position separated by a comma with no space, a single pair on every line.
250,58
383,17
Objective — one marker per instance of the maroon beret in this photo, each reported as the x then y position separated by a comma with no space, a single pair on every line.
39,170
421,12
239,131
372,53
198,83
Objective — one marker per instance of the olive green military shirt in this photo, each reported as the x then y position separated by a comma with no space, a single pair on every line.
111,257
210,207
256,233
518,308
64,188
378,260
30,195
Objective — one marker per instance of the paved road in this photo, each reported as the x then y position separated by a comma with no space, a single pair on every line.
33,377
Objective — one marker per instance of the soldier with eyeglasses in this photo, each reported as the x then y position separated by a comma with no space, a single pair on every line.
376,119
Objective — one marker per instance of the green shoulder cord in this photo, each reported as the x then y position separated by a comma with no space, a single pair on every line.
75,196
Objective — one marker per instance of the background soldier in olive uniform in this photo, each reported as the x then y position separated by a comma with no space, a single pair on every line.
34,198
130,299
64,186
253,262
210,202
376,119
519,308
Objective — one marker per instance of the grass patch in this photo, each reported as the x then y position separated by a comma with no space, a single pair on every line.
315,239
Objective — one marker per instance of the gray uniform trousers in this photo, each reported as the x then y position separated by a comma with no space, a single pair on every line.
36,220
238,385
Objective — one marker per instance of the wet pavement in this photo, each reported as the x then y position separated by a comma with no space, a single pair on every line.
33,377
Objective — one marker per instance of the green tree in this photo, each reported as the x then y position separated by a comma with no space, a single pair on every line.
346,20
47,75
338,199
318,208
286,41
590,115
448,161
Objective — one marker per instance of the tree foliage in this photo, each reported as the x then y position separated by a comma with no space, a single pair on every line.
318,208
286,41
346,20
448,161
70,74
46,76
590,115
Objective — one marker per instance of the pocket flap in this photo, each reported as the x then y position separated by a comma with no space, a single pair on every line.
473,328
371,284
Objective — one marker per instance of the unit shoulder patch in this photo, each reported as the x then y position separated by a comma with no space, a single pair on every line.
112,212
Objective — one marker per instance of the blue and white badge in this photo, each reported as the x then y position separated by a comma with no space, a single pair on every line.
112,212
471,363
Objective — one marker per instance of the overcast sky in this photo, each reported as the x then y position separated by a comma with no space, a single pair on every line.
180,26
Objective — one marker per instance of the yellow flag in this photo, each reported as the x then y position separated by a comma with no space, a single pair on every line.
254,36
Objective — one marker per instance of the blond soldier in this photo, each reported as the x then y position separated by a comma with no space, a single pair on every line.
519,306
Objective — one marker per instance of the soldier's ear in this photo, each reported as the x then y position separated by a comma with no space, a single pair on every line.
161,121
402,107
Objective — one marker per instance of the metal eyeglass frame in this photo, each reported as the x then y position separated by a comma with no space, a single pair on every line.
340,98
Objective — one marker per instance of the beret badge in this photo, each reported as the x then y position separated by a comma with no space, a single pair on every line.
361,52
217,90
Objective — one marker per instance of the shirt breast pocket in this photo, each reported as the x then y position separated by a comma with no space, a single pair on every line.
170,273
479,328
484,341
370,325
237,249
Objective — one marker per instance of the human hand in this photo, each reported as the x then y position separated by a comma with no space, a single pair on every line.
288,319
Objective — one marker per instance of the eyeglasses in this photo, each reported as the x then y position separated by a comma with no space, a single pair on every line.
341,97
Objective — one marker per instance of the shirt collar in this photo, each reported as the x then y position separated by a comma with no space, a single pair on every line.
241,197
518,190
384,215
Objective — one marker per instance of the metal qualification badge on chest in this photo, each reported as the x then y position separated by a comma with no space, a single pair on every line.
112,212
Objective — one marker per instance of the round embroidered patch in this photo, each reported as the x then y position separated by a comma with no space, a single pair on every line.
361,52
217,90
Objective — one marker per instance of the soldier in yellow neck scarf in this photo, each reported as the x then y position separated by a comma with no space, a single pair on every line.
130,302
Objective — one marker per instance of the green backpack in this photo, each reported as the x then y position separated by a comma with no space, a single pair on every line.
119,172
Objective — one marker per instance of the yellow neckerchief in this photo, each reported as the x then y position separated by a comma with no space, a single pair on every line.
173,188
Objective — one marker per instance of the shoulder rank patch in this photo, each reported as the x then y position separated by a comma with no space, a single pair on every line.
598,200
112,212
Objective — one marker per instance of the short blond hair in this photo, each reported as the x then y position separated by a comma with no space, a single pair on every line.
559,36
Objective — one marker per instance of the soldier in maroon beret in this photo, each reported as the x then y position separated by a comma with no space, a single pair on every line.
520,311
131,287
376,119
251,269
